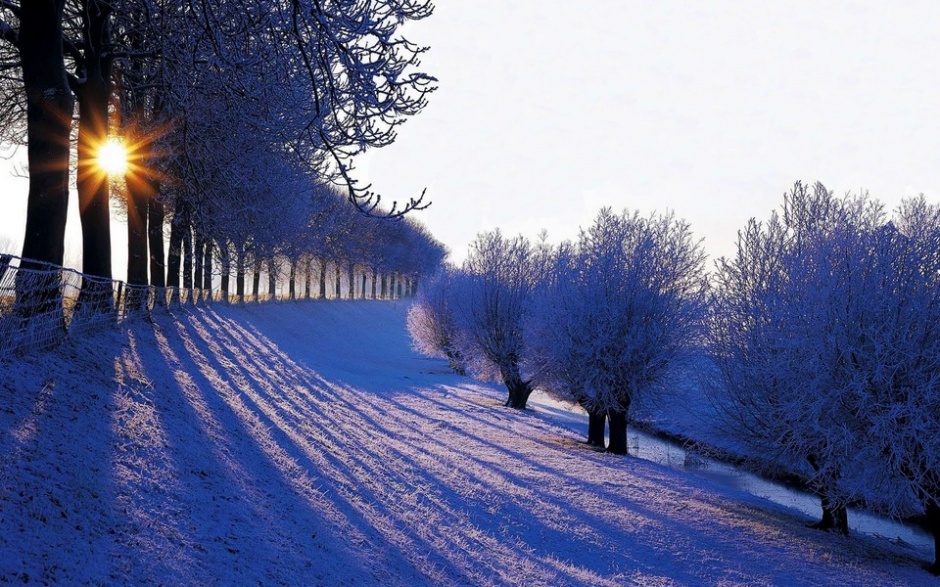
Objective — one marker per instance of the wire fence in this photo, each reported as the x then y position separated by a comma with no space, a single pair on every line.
41,305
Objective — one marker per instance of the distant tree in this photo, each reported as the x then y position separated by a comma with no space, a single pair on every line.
431,320
623,309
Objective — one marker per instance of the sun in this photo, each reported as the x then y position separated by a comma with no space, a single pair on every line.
112,157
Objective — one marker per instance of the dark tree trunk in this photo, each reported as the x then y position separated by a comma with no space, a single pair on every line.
92,182
240,275
156,215
337,293
200,257
308,277
187,254
225,264
362,290
256,279
174,253
272,278
207,270
374,276
173,258
398,284
292,281
519,390
352,282
834,514
597,420
932,513
322,280
137,256
49,105
618,432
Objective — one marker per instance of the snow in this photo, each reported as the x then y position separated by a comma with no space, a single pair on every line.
307,444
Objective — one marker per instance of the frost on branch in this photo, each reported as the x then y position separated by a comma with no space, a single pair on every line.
492,295
622,308
431,321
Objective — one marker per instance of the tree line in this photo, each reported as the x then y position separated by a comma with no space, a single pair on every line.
818,342
240,117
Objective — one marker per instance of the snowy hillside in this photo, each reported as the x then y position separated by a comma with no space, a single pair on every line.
306,444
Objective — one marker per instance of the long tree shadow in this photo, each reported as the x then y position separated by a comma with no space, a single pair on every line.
224,451
372,416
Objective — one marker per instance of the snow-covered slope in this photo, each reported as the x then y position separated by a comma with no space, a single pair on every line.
306,444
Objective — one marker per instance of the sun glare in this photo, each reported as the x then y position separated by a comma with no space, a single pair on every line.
112,157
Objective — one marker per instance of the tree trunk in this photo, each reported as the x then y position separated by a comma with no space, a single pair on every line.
834,516
597,420
49,105
200,256
618,432
156,215
225,264
240,275
272,278
92,182
256,279
398,286
352,282
932,512
384,286
292,281
308,277
173,257
137,256
374,275
207,270
518,389
336,286
187,255
362,290
322,279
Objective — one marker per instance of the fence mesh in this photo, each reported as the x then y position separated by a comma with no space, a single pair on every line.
42,304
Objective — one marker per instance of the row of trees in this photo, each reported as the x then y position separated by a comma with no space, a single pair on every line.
598,322
230,108
373,255
820,337
826,335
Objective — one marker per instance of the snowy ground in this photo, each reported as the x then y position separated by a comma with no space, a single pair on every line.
305,444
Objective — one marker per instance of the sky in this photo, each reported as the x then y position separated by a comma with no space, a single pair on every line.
711,110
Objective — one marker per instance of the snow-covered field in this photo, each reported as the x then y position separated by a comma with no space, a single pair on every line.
306,444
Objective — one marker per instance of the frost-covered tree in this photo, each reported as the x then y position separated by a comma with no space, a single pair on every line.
624,307
431,320
788,310
492,295
895,354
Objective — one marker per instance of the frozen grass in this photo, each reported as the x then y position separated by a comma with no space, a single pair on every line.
306,444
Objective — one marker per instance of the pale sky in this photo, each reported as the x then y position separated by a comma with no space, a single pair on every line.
549,110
